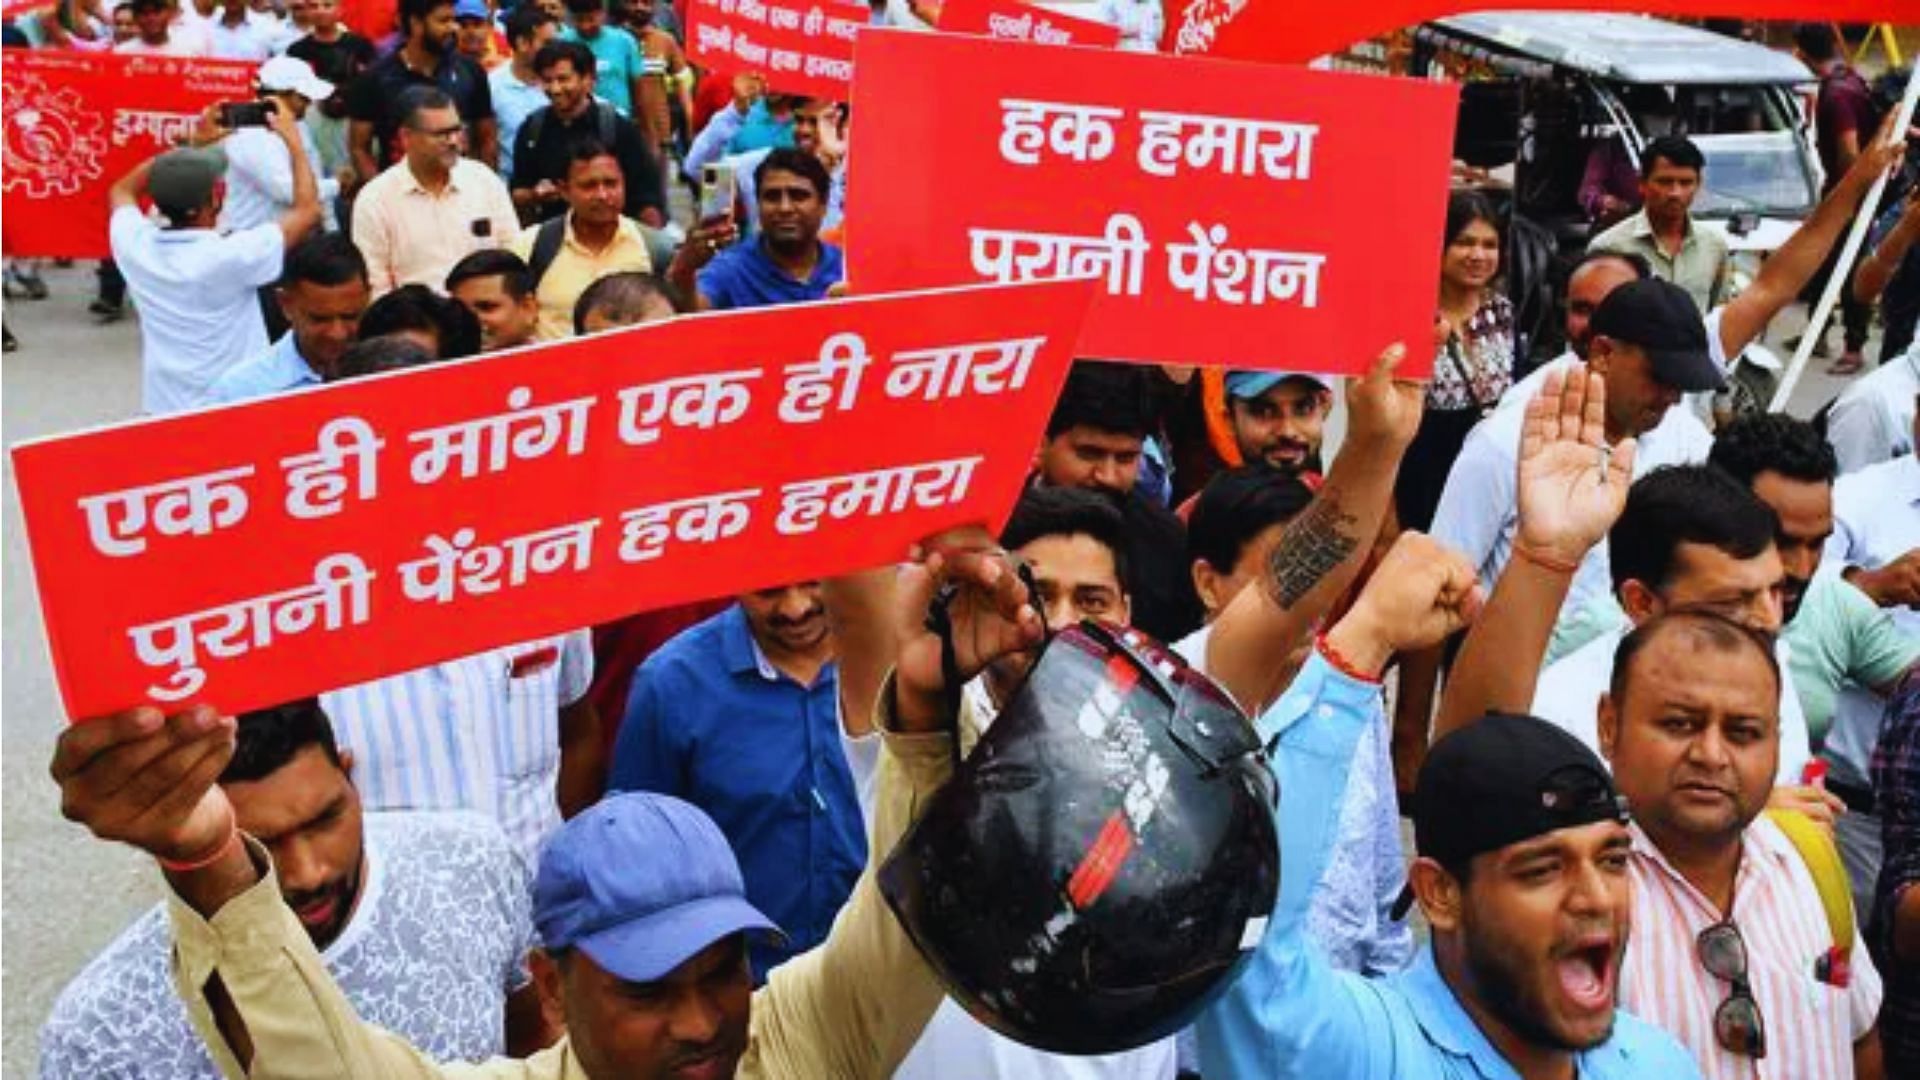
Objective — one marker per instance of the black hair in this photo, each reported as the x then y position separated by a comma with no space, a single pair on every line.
587,148
416,307
1708,628
268,739
1056,511
418,9
325,259
526,21
1674,150
799,163
622,298
415,100
582,7
1463,209
1238,505
570,52
1685,504
1773,442
371,356
1817,41
516,280
1106,397
1642,269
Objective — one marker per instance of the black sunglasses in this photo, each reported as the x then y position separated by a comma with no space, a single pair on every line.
1737,1023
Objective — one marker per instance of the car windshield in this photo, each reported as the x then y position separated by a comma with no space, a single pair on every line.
1759,171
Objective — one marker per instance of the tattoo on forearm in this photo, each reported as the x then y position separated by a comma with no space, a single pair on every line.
1313,546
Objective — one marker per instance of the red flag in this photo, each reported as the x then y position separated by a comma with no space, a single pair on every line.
801,46
76,122
1243,214
1011,20
1290,31
253,553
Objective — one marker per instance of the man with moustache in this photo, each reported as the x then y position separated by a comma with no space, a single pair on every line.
428,58
737,716
374,894
1663,231
1279,417
787,263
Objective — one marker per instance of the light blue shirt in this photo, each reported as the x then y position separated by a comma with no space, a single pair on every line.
513,102
1290,1014
617,61
279,369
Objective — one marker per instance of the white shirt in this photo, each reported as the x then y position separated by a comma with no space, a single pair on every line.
1876,519
260,177
479,733
196,290
252,40
1568,694
1873,420
1478,513
1140,22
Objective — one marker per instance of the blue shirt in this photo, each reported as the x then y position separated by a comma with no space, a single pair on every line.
617,61
710,720
761,130
1290,1014
513,102
279,369
745,276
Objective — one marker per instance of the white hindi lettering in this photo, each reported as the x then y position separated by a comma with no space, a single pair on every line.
951,370
815,21
162,127
715,38
1282,151
810,386
783,18
317,484
1006,26
703,519
695,401
1075,132
1117,256
338,596
458,566
927,486
193,505
1207,268
491,443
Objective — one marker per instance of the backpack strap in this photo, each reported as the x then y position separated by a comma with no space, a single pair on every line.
546,247
607,120
1817,850
534,125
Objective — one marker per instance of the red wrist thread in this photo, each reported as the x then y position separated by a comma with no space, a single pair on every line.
218,853
1340,663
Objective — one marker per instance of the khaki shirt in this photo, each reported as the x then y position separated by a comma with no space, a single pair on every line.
413,237
851,1008
574,268
1700,267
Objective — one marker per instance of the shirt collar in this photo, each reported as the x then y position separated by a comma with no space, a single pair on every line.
1642,227
738,650
414,186
1759,844
286,356
627,229
1445,1021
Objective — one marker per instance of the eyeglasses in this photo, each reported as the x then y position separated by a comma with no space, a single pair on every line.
447,134
1737,1023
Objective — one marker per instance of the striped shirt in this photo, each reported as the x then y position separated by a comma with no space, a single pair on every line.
1811,1027
479,733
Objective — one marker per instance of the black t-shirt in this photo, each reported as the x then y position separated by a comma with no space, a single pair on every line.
339,61
548,158
374,97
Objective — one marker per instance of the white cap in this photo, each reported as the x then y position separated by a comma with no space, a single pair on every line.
286,73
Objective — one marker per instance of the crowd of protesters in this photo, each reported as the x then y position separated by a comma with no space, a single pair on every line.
1640,673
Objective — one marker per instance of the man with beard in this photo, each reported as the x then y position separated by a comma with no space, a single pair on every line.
323,293
374,894
545,146
1663,231
736,715
429,59
434,207
592,240
1477,516
787,263
1278,417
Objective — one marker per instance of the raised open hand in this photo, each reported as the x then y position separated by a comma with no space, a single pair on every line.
1572,486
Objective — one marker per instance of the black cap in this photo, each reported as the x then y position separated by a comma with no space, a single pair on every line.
1661,319
1501,780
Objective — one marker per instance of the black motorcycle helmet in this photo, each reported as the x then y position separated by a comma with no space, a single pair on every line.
1101,864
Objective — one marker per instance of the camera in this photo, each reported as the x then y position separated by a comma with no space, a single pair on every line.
239,114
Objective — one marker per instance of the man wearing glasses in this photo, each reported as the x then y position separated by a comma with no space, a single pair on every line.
433,207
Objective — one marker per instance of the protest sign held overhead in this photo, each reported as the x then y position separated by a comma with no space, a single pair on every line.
800,46
76,122
1010,20
1235,214
255,553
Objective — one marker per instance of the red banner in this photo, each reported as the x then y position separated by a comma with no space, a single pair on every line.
76,122
250,554
801,46
1245,214
1010,20
1290,31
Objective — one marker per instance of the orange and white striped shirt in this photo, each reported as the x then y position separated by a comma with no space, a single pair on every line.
1811,1026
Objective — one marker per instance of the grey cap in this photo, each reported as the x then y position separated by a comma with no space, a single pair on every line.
183,180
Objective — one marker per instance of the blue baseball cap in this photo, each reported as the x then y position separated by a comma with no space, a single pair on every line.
641,883
471,9
1251,384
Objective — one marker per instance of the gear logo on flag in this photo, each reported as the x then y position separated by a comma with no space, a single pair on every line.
54,143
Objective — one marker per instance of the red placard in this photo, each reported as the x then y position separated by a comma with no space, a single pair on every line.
1244,214
801,46
76,122
1010,20
1290,31
254,553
